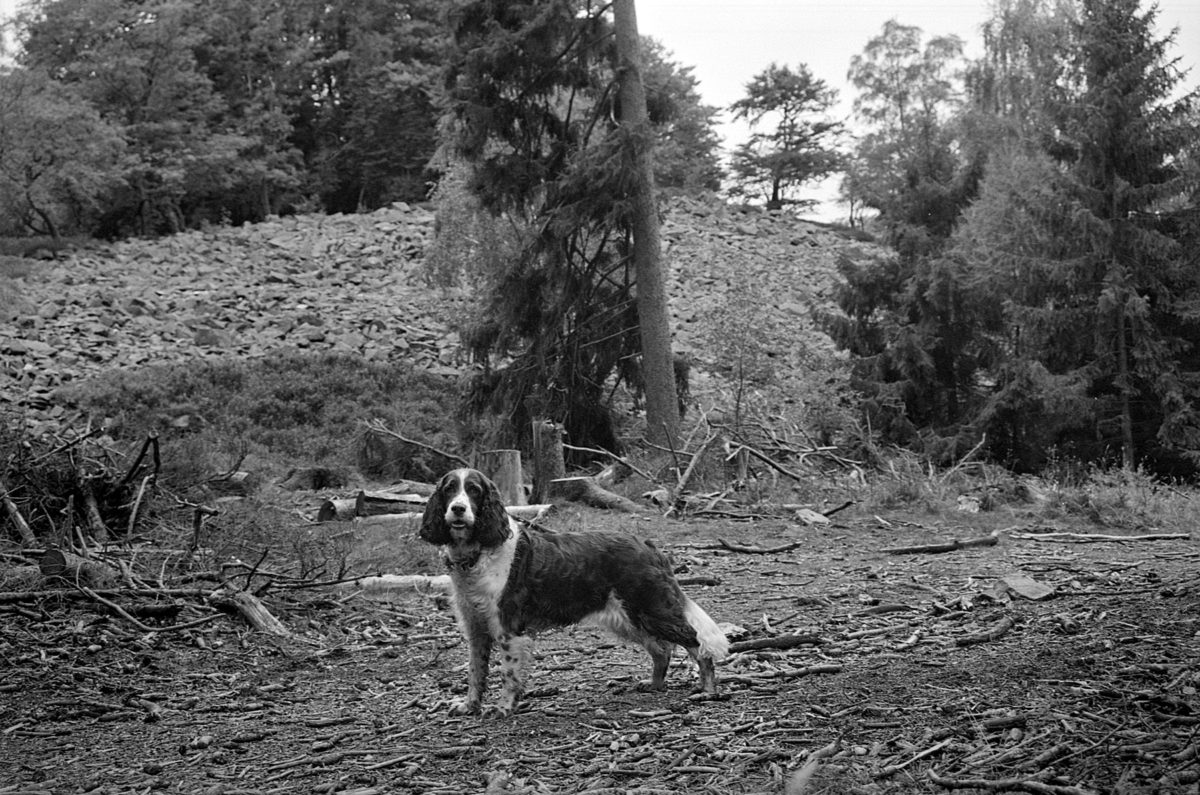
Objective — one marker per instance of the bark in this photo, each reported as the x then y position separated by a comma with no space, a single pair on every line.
654,321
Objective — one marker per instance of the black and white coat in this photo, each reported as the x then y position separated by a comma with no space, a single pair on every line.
511,581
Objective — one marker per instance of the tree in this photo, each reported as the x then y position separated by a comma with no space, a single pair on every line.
686,145
799,148
533,104
1094,223
654,318
905,166
58,158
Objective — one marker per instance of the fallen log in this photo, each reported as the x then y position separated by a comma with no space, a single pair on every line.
70,568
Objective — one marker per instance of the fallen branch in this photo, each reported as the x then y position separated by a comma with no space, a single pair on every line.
777,642
1003,784
998,631
120,611
892,770
613,456
387,583
732,547
1092,537
799,781
378,427
952,546
251,608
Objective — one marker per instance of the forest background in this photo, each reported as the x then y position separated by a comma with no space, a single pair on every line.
1041,302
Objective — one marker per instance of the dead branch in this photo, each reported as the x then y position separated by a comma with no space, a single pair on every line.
613,456
137,502
120,611
952,546
767,460
799,781
251,608
697,457
732,547
777,642
998,631
95,522
892,770
1003,784
1096,537
151,445
377,426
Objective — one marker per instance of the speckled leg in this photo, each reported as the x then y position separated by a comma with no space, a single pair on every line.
516,651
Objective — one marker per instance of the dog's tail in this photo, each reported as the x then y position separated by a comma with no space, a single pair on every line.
713,642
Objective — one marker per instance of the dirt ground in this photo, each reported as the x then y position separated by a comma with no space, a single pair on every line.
1093,689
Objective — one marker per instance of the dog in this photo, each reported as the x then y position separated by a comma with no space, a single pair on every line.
511,581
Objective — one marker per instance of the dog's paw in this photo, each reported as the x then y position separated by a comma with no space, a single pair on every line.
650,686
497,711
464,706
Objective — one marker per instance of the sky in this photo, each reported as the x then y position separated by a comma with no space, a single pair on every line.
727,42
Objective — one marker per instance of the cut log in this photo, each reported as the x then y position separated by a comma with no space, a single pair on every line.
73,569
504,468
548,462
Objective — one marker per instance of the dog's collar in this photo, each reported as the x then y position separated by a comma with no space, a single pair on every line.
464,563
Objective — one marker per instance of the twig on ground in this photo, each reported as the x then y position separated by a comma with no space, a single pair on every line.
799,781
1002,784
998,631
732,547
1094,537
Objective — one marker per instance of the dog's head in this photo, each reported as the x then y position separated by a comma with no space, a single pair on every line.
465,508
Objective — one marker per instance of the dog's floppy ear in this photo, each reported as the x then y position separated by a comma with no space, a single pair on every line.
491,523
433,524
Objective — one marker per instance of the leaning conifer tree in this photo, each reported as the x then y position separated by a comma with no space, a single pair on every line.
531,108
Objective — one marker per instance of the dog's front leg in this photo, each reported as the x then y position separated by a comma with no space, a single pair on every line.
480,642
517,651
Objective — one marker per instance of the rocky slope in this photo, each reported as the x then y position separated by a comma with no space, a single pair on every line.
346,284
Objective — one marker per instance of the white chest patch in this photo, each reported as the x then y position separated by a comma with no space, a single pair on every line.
477,590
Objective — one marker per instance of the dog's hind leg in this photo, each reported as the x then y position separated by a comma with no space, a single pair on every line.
660,658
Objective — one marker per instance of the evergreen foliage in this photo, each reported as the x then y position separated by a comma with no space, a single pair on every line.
1043,292
799,148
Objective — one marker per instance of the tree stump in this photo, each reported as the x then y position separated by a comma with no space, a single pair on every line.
504,468
548,462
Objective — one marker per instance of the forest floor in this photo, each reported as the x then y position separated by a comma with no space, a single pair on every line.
920,668
909,672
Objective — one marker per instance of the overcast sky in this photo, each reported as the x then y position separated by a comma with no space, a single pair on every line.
728,42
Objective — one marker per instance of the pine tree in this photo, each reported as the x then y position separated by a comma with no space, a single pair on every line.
1079,237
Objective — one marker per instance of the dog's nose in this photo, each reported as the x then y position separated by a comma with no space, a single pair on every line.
457,510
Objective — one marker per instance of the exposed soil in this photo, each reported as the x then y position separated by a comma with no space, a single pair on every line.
1090,690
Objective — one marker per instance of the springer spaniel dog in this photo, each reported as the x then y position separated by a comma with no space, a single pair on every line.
510,581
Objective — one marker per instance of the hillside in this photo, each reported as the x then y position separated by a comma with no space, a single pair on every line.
351,284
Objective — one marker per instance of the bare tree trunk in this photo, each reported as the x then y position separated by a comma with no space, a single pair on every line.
654,320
